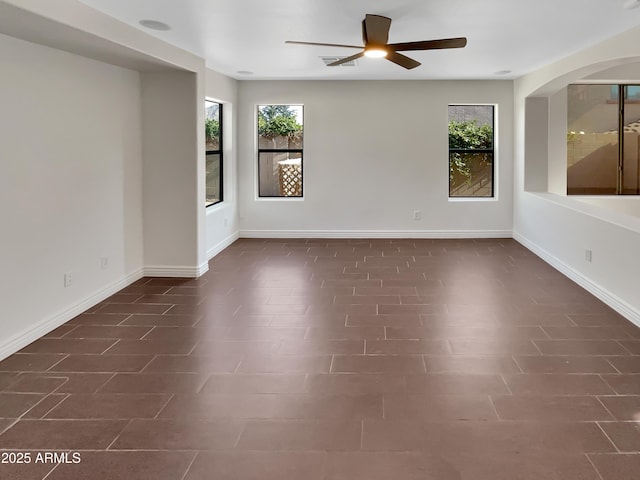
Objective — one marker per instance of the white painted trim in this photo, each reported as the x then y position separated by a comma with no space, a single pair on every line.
202,269
220,246
21,340
612,300
176,272
376,234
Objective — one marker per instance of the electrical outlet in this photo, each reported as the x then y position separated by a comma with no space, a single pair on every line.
104,263
417,215
68,279
587,255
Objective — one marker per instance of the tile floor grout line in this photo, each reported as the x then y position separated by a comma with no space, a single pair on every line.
237,367
142,370
606,359
66,355
113,375
75,327
119,434
608,437
51,471
51,409
110,346
195,345
186,472
495,410
513,357
599,375
537,347
605,407
242,430
568,315
594,466
15,420
542,327
502,377
171,397
153,328
629,352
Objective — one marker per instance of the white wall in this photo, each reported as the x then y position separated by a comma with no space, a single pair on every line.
629,205
374,152
98,161
222,219
561,228
173,180
70,186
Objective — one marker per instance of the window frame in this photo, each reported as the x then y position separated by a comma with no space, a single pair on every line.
260,150
218,152
493,151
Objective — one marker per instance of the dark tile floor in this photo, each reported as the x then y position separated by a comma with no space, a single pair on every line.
335,360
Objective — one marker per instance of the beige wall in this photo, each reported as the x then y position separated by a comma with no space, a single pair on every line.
79,177
70,185
374,152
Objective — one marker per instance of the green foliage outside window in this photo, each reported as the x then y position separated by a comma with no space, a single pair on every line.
212,129
278,121
467,135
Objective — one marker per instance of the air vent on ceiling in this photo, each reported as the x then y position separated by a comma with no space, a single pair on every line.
328,60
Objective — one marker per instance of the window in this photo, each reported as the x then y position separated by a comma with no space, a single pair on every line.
213,129
603,133
280,135
471,151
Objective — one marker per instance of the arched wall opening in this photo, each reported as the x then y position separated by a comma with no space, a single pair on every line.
545,126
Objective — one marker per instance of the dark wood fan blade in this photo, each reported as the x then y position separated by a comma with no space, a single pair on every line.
324,44
402,60
429,44
375,29
345,60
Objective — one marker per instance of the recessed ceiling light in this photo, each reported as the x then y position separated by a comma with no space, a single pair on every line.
155,25
244,72
502,72
631,4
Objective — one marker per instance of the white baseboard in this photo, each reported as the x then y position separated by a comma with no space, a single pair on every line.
173,271
376,234
17,342
220,246
612,300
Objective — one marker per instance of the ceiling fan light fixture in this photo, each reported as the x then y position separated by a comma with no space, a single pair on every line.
375,36
375,52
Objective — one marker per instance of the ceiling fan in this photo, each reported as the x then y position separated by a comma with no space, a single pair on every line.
375,35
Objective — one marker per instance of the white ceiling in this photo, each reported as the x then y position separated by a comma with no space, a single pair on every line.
249,35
